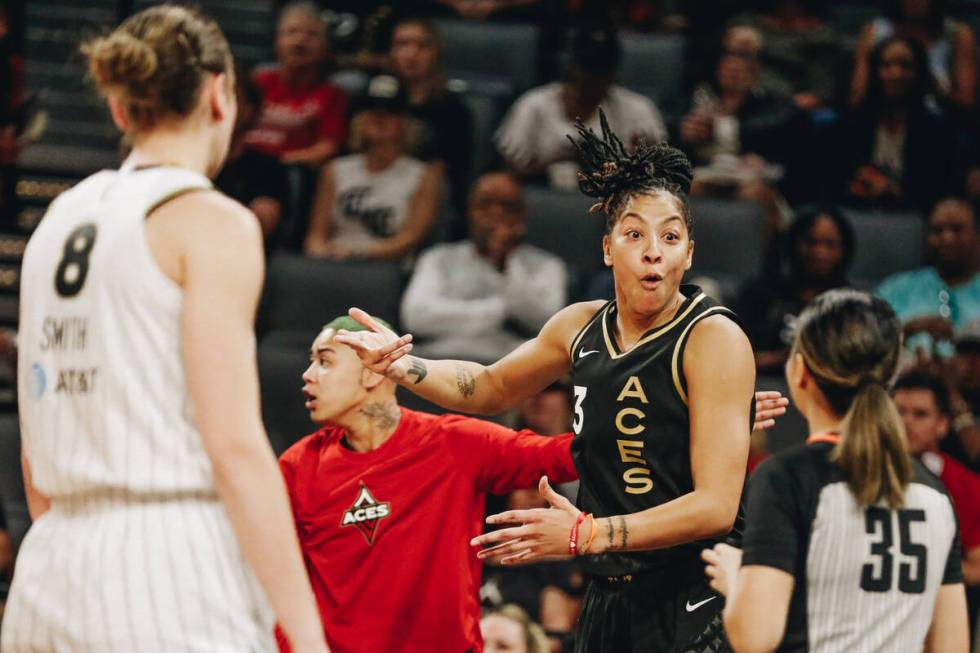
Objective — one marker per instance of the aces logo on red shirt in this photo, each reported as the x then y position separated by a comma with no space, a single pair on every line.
366,513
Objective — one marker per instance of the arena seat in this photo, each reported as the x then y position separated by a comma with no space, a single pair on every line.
559,222
485,112
729,242
653,64
283,410
493,58
302,293
790,429
12,500
885,244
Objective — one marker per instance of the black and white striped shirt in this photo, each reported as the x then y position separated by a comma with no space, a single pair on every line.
866,577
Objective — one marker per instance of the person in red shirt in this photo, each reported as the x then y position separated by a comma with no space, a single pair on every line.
386,501
303,116
923,403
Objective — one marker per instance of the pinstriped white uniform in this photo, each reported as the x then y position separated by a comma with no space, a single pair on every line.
842,618
137,553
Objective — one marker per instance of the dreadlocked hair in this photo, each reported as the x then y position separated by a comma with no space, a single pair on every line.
613,175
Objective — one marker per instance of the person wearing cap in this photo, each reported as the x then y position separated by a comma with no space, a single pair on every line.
532,137
480,298
386,501
378,203
936,301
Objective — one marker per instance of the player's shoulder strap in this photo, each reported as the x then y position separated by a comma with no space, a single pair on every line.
600,312
706,307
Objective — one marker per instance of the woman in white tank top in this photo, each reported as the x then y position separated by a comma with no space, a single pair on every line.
160,518
379,203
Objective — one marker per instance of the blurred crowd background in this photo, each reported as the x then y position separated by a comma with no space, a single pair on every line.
411,158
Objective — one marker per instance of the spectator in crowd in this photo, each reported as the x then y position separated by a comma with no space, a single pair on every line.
896,150
484,9
378,203
11,119
480,298
509,629
819,247
254,178
801,52
733,131
950,48
940,298
964,397
302,118
923,403
532,137
445,120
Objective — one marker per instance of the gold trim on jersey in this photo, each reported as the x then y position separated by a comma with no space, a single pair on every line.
656,334
677,350
583,330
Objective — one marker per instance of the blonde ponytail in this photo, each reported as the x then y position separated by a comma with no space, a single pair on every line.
872,452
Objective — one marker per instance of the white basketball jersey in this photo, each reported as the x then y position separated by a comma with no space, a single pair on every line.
103,398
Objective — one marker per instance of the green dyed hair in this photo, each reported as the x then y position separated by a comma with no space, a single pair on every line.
347,323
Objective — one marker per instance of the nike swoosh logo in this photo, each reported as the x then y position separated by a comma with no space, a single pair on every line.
582,353
692,608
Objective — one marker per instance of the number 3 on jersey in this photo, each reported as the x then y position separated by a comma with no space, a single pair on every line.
73,268
579,420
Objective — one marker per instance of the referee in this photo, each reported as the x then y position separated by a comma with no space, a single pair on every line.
849,544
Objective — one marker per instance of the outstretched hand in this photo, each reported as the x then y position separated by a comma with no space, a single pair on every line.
543,532
380,349
769,404
722,565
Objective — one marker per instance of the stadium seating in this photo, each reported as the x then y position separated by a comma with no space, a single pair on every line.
280,369
728,241
886,243
301,293
559,222
790,429
653,64
12,500
493,58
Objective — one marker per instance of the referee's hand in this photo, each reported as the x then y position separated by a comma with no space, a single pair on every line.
723,563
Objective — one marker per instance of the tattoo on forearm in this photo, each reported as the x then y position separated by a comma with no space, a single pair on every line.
418,370
465,382
385,416
625,532
610,533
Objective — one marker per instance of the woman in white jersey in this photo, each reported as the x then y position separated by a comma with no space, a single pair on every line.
161,520
849,545
378,203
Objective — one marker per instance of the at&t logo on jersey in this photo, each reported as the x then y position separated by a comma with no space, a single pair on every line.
366,513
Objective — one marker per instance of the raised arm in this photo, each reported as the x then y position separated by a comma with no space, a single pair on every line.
466,386
222,269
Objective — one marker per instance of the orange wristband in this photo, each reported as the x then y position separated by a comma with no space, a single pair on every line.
573,535
588,545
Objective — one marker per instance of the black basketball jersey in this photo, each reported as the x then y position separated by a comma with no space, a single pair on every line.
632,428
866,577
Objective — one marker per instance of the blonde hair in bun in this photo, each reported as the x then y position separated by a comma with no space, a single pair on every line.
155,62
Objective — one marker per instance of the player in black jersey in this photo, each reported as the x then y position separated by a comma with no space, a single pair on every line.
663,382
849,544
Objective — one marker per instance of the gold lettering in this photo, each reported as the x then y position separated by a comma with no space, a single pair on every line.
630,430
637,480
633,389
630,451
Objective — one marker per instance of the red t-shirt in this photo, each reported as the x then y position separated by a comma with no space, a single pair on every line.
386,534
292,118
964,489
